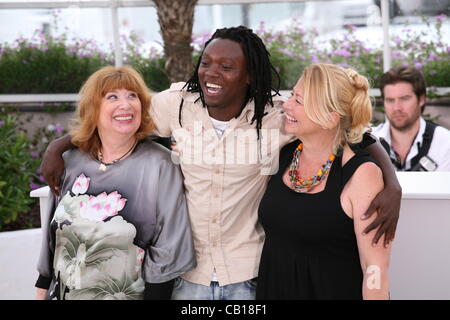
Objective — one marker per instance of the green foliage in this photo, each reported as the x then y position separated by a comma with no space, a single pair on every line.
16,172
47,66
349,52
150,64
295,48
153,73
289,52
432,56
20,155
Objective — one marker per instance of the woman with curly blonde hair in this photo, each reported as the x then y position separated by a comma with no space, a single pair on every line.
311,211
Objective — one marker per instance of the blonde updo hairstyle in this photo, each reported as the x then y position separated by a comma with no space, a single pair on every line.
329,88
84,130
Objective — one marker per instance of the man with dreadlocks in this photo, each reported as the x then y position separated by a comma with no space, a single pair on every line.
226,163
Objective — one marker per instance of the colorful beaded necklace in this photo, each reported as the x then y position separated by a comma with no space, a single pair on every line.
303,185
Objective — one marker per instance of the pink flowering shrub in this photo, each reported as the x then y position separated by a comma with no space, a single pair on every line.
297,47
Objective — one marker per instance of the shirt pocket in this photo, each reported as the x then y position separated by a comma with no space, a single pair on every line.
242,159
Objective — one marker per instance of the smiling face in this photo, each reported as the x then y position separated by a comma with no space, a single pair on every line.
120,113
296,120
402,106
223,78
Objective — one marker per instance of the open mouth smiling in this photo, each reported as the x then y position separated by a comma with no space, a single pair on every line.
213,88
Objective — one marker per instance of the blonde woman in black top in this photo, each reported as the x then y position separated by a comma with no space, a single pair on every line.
311,212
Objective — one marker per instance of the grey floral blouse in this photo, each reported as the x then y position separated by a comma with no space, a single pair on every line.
111,231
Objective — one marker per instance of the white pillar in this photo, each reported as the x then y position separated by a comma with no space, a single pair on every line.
386,47
217,16
115,25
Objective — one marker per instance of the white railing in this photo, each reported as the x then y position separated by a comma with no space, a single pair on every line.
43,194
46,97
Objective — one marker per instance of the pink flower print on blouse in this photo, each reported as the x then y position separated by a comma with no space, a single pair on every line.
102,206
81,184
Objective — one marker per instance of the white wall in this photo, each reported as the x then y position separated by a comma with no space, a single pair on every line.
420,260
19,252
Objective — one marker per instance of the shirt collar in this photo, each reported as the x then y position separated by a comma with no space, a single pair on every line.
385,132
191,96
246,114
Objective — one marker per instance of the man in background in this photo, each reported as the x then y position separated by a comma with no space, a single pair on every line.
412,143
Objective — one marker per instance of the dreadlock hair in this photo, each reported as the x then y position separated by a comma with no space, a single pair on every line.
259,68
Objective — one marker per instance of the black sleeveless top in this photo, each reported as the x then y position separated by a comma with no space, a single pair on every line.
310,251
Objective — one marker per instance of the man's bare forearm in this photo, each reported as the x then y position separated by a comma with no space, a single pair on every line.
52,166
377,151
62,144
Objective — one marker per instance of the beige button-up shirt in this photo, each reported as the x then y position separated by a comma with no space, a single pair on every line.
225,179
